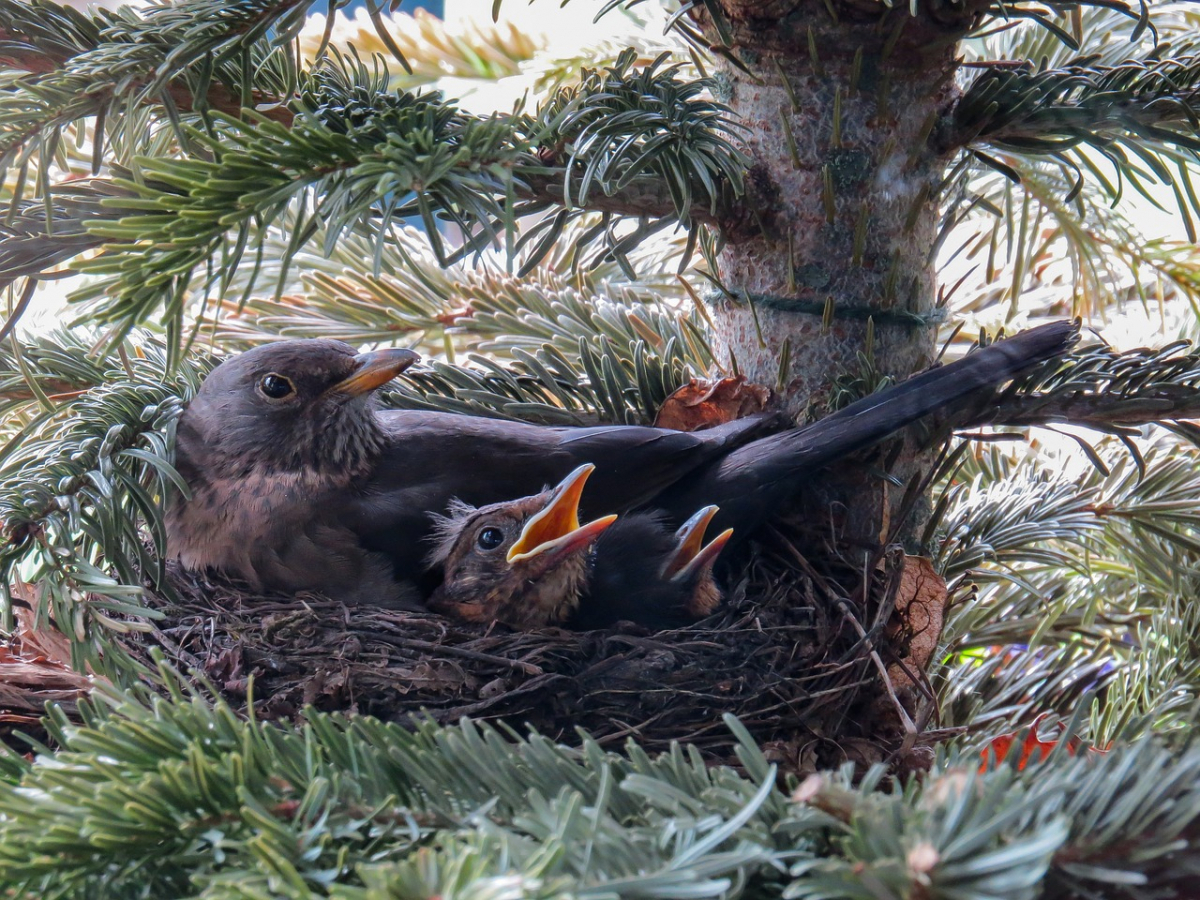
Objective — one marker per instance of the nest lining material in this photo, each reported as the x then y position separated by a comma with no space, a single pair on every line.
785,654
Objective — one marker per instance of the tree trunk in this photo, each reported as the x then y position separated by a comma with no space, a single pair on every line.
837,244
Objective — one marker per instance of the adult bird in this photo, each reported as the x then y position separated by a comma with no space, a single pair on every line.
298,482
529,562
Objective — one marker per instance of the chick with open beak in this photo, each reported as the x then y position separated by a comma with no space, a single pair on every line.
524,562
529,562
643,572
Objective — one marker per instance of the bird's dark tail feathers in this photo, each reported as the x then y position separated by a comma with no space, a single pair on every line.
755,480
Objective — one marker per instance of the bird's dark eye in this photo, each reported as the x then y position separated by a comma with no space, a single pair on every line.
490,538
277,387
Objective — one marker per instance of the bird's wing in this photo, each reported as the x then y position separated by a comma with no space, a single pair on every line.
751,482
431,458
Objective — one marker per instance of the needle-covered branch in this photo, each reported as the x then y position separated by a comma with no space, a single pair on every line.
1136,121
186,57
349,807
1102,389
360,159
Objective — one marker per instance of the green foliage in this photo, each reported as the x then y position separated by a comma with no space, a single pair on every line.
1055,829
1053,205
1033,638
243,193
1135,114
350,155
103,64
82,485
186,799
152,798
622,123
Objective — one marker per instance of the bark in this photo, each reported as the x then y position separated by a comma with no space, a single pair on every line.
841,115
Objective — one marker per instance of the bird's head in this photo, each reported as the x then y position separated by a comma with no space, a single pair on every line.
690,565
523,562
292,406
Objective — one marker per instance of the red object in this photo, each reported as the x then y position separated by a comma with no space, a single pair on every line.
1000,746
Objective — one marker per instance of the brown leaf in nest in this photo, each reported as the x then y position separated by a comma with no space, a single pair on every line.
916,622
703,404
35,663
46,640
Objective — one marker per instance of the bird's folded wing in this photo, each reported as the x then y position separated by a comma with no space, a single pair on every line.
751,482
432,458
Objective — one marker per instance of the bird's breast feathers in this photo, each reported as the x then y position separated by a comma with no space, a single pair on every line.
230,522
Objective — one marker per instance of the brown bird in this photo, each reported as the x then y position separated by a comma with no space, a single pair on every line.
299,483
273,449
529,563
523,562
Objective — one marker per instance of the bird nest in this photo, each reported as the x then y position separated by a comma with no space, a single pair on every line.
816,668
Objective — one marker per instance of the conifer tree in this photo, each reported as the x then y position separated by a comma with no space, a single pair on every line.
820,195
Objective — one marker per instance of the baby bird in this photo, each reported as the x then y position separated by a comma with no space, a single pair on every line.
522,562
643,573
529,562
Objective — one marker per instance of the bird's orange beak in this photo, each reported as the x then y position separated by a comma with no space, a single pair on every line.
375,369
689,539
555,531
705,559
692,555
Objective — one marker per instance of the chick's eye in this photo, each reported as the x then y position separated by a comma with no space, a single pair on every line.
490,538
276,386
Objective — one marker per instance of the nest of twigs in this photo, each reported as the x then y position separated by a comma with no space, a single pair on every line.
810,662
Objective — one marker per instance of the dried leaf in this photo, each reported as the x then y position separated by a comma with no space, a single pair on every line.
916,623
34,636
703,404
35,664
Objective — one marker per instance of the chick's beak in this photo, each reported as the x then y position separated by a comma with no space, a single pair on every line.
704,560
555,531
373,370
689,539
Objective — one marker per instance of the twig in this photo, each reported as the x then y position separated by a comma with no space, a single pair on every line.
426,646
910,729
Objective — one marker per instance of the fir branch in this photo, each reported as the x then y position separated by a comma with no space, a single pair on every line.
36,239
1025,109
1101,389
102,64
1027,518
622,122
185,799
336,805
81,488
1109,824
416,149
1031,236
604,382
1141,115
373,158
1028,640
990,691
58,362
40,36
469,311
